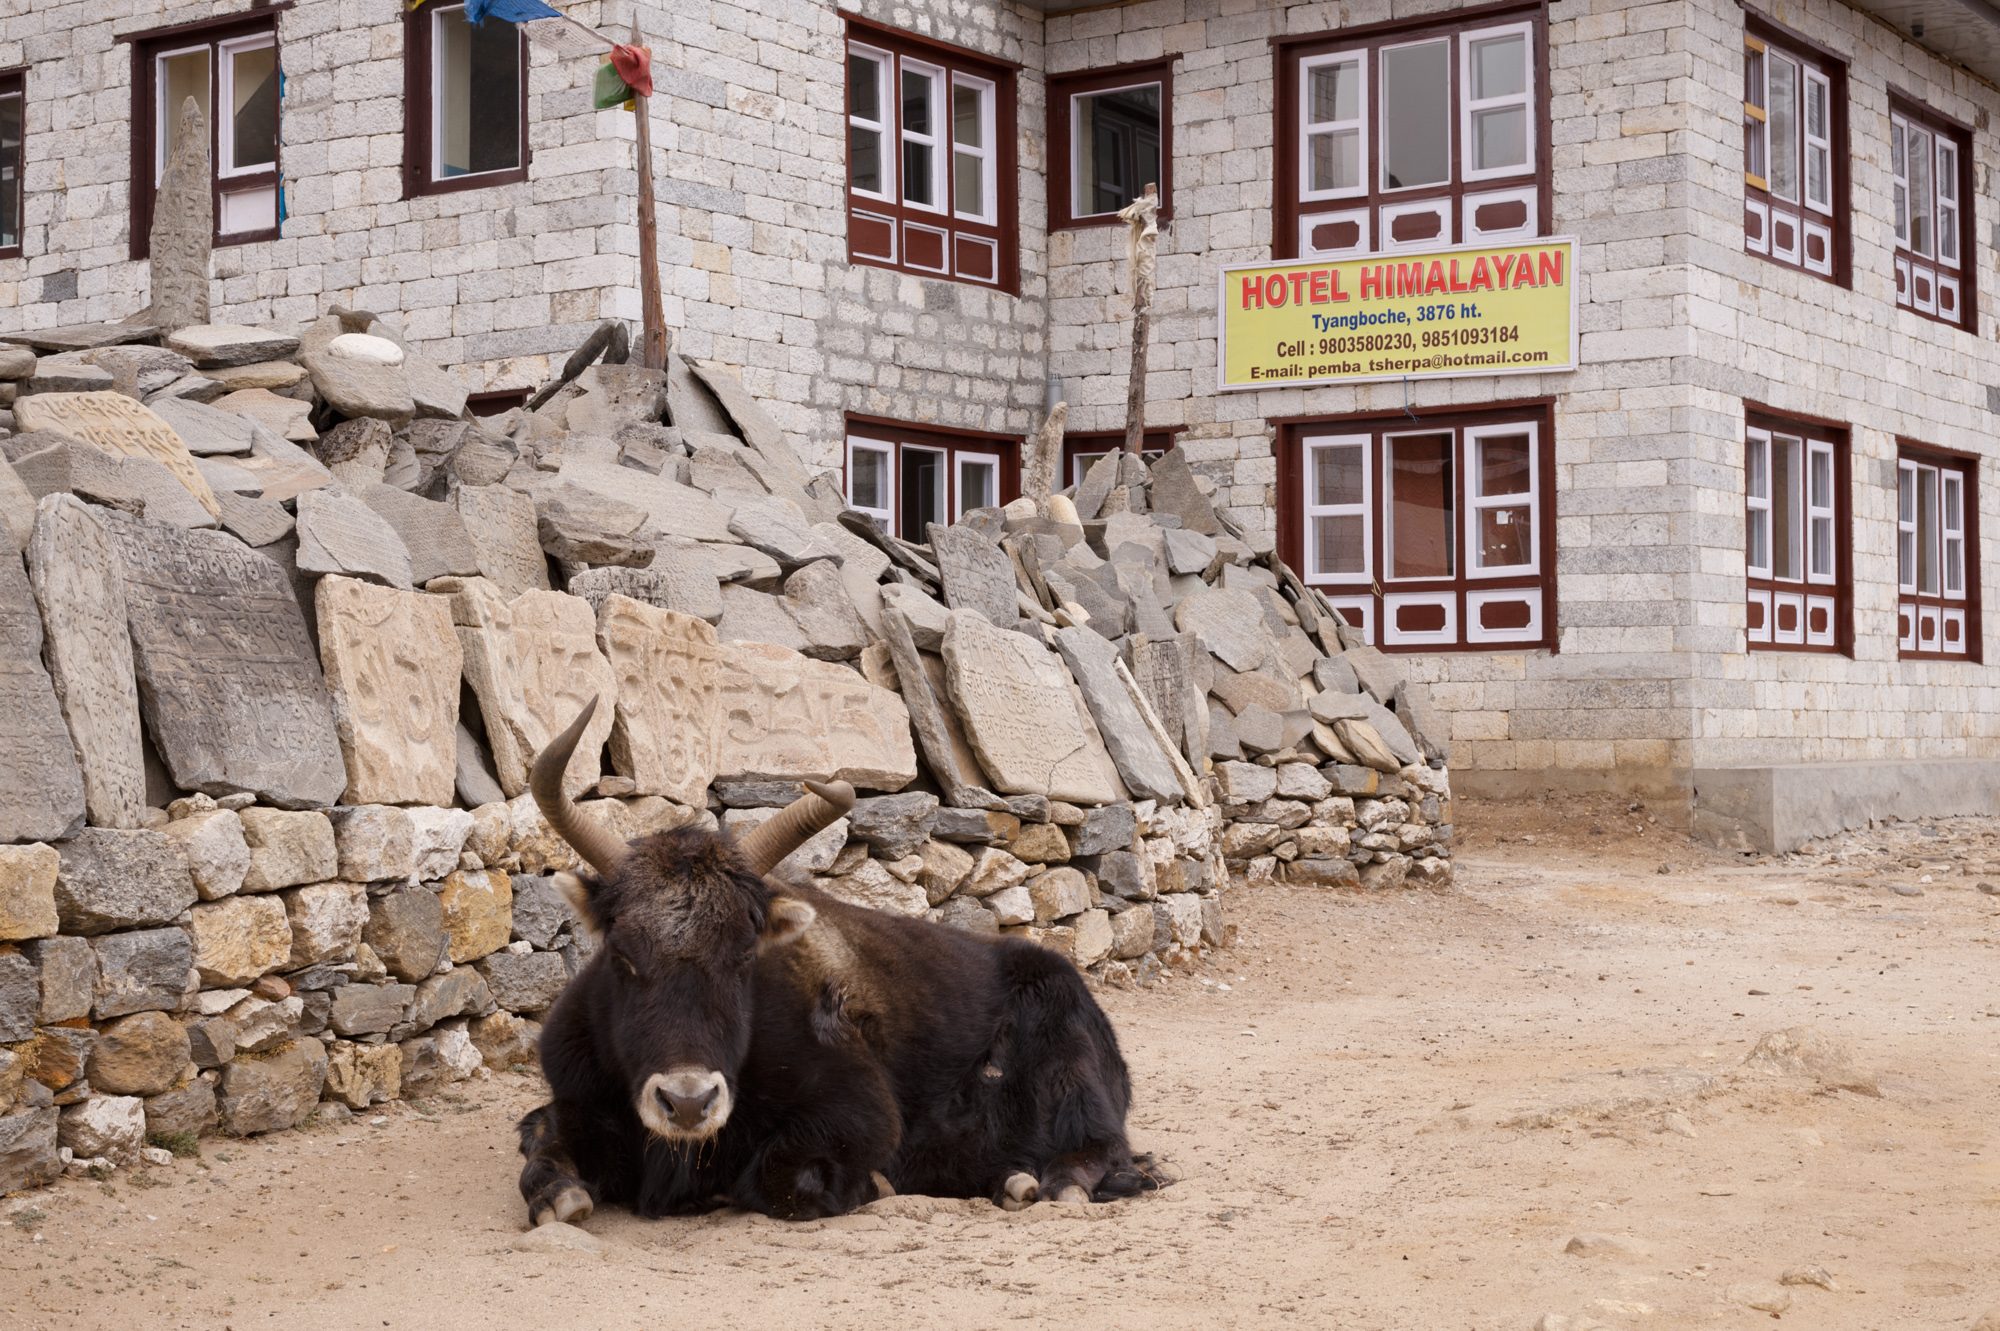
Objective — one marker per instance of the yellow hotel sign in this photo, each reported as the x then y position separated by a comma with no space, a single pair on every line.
1507,309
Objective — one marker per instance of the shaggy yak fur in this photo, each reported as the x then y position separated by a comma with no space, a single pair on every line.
861,1051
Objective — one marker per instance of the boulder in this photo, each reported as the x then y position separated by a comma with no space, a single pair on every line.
121,880
274,1090
110,1127
240,938
143,1054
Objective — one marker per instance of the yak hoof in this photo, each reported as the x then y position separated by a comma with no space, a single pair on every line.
1020,1192
1073,1194
883,1187
572,1206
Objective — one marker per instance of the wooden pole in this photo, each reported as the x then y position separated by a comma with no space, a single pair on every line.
1143,216
653,317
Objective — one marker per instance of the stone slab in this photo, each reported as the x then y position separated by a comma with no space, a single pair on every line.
1013,698
338,534
666,666
117,425
215,345
1146,770
673,581
392,664
784,716
506,545
41,785
977,574
1229,624
205,431
671,509
533,662
437,542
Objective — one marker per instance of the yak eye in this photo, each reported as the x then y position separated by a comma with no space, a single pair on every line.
624,963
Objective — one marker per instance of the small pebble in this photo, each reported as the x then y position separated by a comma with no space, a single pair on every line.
1906,889
1808,1275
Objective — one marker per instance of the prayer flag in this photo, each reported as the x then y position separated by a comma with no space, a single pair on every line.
508,11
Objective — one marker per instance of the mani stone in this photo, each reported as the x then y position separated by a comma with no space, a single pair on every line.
229,683
121,880
817,600
144,970
60,374
28,892
1172,489
976,573
784,716
1147,770
206,431
276,1091
1014,698
392,671
74,572
1230,624
673,581
665,666
183,227
338,534
117,425
506,545
217,346
357,374
254,521
581,526
671,509
41,786
533,663
430,531
779,529
286,418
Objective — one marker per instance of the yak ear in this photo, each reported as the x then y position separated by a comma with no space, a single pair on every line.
577,893
785,921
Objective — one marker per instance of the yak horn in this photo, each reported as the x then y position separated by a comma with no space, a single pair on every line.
600,850
795,824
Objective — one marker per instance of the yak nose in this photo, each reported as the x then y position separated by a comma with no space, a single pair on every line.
687,1099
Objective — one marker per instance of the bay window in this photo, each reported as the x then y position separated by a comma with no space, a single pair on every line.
1796,550
1794,145
906,477
1931,196
930,139
1937,563
1427,534
465,101
1414,136
230,71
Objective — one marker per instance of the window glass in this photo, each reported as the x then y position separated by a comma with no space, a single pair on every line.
1117,147
1927,531
969,152
1954,534
1819,159
1506,530
1899,170
253,96
1500,67
1920,151
978,483
10,169
1906,522
1787,490
1947,193
919,138
181,75
1421,506
864,125
477,92
1784,120
922,491
868,479
1499,70
1416,114
1334,92
1339,472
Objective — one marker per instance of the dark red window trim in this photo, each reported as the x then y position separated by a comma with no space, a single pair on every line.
1006,448
1287,208
145,116
417,179
1095,443
1841,591
1966,271
496,401
1760,28
1967,466
14,82
1540,411
867,216
1063,87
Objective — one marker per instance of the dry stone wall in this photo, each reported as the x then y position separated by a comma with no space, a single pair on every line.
272,688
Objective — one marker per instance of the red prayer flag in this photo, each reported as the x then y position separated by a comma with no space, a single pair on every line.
635,65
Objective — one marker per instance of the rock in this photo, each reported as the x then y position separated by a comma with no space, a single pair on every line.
369,1009
406,930
541,911
1171,488
754,616
287,848
272,374
816,598
260,1025
28,892
870,884
109,1126
533,662
673,581
220,645
240,938
945,869
985,827
501,527
1812,1274
121,880
206,431
68,977
375,843
582,526
1188,551
185,1111
437,837
355,373
458,992
213,346
338,534
430,531
976,574
665,665
670,508
524,981
360,1075
779,529
1131,933
143,1054
1177,920
1094,938
476,783
927,619
42,792
1011,905
1246,783
20,996
276,1090
1058,893
1108,828
28,1140
1608,1247
1041,843
393,663
117,425
792,718
1143,765
895,825
17,510
557,1238
477,911
1014,700
326,921
503,1039
1809,1055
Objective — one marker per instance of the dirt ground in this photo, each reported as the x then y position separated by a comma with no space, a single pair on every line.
1386,1112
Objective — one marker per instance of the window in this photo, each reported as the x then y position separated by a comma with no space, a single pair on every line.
1428,533
13,159
1795,544
930,158
1794,153
1930,168
1412,137
1110,136
1937,562
1083,447
465,101
230,71
908,476
497,401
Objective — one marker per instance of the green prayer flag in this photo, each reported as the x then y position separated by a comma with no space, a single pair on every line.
611,90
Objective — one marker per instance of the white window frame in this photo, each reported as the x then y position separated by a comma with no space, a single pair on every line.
1759,440
1757,113
165,118
1389,573
1476,500
1809,80
960,461
884,517
224,98
437,109
1951,533
1815,449
1363,510
1795,504
1363,124
1943,169
1771,58
1525,99
1899,177
1908,528
1926,207
18,224
936,140
884,129
1076,144
987,153
1382,114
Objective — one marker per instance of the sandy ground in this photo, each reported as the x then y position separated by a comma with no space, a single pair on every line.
1387,1112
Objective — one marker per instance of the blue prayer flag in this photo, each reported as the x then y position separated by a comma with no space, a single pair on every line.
508,11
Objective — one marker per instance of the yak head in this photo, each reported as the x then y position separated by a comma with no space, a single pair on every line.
680,919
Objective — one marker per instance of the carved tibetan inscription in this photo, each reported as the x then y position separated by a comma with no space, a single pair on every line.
1014,698
666,667
117,424
533,663
787,717
229,684
41,790
392,668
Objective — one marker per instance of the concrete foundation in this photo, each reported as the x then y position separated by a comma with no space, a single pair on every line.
1776,809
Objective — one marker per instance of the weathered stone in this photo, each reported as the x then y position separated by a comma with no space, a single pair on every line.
67,373
1010,905
17,510
240,938
143,1054
870,884
28,1142
121,880
68,969
584,526
524,981
501,527
119,426
218,855
458,992
541,911
1014,699
1188,551
41,787
359,1075
477,908
355,373
271,374
185,1111
1259,729
287,848
753,616
1246,783
817,600
673,581
477,783
229,682
994,870
985,827
927,620
374,842
919,680
1105,829
671,509
895,825
146,970
20,996
430,532
326,921
1094,937
205,430
784,716
1229,624
136,371
276,1090
779,529
369,1009
406,930
437,837
665,666
1041,843
339,534
262,1025
28,892
111,1127
503,1039
1366,743
393,664
1058,893
1302,781
946,868
1144,766
183,225
976,573
533,662
968,914
212,346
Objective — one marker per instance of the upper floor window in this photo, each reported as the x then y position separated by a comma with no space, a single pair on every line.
1794,154
1415,138
230,72
1110,136
906,477
13,159
465,103
1937,564
930,158
1082,448
1796,548
1930,167
1429,533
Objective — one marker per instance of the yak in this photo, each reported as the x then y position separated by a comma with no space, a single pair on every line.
742,1040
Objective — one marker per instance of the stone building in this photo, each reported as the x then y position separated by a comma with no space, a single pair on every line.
1738,546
